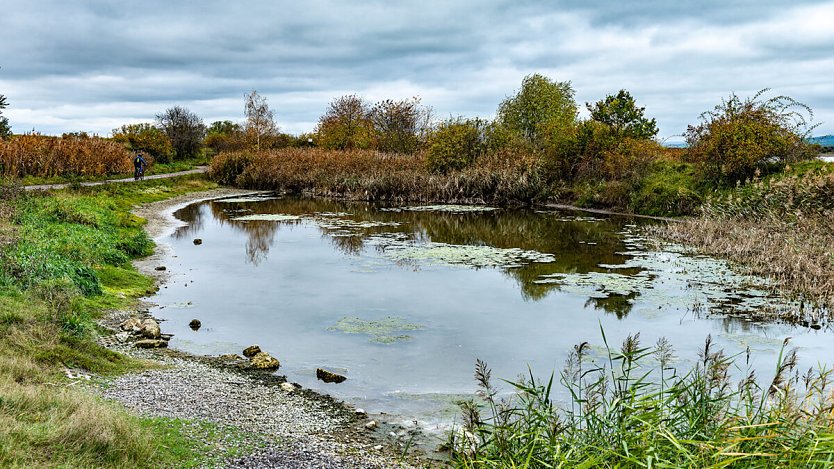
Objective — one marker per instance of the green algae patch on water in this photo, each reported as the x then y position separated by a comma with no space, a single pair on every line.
649,276
387,330
268,217
443,208
457,254
333,223
245,199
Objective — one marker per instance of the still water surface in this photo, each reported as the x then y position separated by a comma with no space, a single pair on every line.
402,300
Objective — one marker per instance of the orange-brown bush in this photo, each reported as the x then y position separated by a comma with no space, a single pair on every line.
42,156
368,175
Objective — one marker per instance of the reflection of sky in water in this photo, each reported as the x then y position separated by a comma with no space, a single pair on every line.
545,282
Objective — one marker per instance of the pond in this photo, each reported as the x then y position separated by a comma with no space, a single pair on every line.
402,300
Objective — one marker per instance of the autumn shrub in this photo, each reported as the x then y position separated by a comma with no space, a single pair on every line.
455,144
226,167
43,156
740,137
147,138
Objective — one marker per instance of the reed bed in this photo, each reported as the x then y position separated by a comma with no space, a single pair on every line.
370,175
44,156
632,408
781,228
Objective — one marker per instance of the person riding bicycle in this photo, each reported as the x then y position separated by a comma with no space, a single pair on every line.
139,165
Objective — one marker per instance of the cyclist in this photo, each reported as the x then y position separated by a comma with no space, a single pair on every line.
139,165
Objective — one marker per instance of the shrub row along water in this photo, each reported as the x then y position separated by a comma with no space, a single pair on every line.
368,175
506,176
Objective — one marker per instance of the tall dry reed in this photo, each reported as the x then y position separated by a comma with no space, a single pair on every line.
370,175
43,156
781,228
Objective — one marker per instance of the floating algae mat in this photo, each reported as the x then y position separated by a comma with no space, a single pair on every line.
247,198
267,217
444,208
457,254
703,281
384,331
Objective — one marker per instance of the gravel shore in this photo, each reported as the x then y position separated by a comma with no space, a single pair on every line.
288,428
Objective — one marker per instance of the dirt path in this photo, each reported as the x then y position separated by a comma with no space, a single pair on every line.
43,187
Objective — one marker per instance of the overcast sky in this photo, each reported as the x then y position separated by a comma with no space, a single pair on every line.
97,64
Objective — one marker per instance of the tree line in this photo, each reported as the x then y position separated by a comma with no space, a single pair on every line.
737,139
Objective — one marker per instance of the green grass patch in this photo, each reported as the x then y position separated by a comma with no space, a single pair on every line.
669,189
66,262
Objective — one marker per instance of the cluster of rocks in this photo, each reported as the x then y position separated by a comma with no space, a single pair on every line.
253,359
147,331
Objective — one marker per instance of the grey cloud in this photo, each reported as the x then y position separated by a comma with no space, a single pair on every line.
111,62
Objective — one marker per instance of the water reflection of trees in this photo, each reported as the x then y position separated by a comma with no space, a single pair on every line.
578,246
260,235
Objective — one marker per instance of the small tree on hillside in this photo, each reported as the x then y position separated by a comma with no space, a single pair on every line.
345,125
400,126
622,115
260,120
5,129
184,129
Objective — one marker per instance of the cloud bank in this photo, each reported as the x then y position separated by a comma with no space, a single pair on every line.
95,65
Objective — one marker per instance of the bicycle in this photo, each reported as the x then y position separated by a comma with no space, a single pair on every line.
139,173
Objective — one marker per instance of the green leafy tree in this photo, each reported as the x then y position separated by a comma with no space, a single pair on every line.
400,126
456,144
225,136
739,137
621,113
184,129
541,109
5,129
223,128
345,125
145,137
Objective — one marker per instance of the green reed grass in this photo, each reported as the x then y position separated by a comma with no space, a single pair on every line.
635,409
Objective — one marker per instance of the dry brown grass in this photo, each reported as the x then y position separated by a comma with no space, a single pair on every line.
369,175
37,418
42,156
781,229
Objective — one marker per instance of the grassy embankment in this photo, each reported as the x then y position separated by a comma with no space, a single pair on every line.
663,186
65,260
